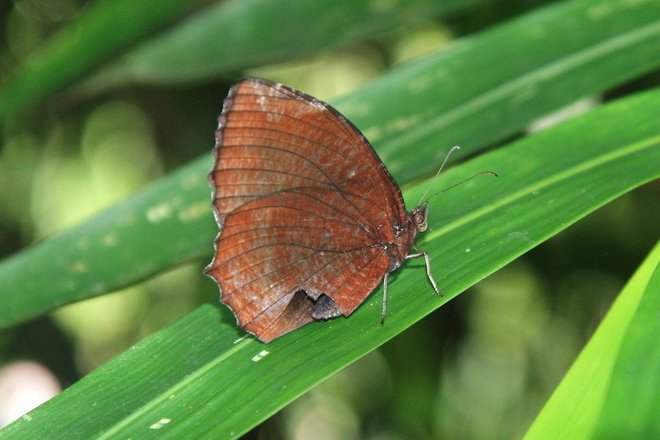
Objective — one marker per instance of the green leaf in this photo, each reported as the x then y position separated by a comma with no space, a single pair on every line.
429,105
75,50
198,378
241,34
118,247
616,375
223,38
632,404
492,85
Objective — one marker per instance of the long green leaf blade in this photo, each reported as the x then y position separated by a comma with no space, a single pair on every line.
632,404
217,40
76,50
616,374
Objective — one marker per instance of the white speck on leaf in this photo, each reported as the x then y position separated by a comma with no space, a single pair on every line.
262,354
78,267
159,212
159,424
193,212
109,240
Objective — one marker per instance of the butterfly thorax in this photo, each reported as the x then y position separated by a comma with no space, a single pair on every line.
404,236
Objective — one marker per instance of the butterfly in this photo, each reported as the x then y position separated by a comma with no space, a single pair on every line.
311,220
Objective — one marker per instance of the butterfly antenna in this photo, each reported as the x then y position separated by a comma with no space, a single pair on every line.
481,173
444,162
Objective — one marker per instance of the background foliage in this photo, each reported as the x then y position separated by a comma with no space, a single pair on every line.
108,111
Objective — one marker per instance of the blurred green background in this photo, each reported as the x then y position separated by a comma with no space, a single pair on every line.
479,368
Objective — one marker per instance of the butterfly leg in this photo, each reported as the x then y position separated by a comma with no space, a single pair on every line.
383,312
427,260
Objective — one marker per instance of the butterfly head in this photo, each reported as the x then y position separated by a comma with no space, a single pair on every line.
419,215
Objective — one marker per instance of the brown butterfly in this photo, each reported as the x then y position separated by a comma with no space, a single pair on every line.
311,220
